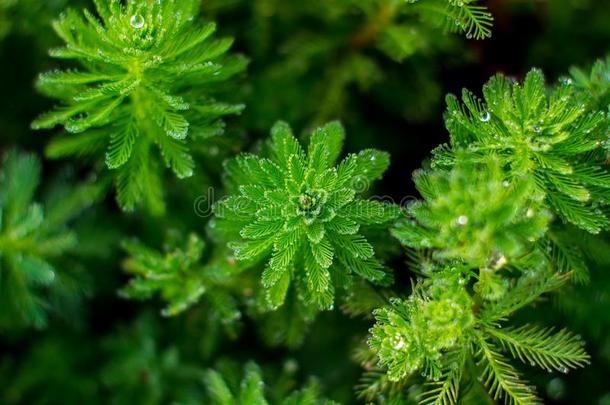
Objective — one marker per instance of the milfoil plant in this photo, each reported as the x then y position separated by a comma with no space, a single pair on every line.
145,90
487,237
301,215
35,238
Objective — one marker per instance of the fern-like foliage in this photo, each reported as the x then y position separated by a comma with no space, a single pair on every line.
251,390
393,22
542,347
149,72
486,218
33,238
412,334
452,221
181,278
466,17
502,379
302,215
594,84
334,75
435,331
548,136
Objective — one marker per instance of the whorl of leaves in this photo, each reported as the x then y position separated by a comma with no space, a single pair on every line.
301,214
545,134
33,239
149,73
474,213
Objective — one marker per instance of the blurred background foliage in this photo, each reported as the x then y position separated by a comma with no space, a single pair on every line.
384,74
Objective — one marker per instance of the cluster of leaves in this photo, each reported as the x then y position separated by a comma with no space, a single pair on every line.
149,74
251,390
412,334
179,277
515,159
437,333
391,23
319,53
593,84
301,215
452,221
33,238
553,138
522,175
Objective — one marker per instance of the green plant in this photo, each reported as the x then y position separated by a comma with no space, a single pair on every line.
33,239
452,221
335,55
485,217
291,249
303,212
179,277
593,84
551,137
252,390
150,74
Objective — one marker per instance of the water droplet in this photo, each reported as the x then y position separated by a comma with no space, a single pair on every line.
563,370
537,128
469,36
485,116
529,213
399,342
137,21
506,183
462,220
500,262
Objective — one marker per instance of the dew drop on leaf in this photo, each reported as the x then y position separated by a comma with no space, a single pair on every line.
462,220
485,116
137,21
